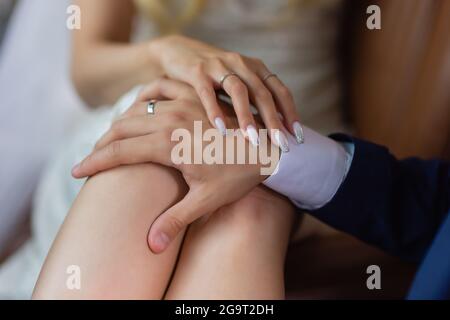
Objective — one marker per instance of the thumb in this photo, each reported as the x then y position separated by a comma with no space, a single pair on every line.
171,222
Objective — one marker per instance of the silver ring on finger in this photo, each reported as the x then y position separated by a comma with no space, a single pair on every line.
226,76
151,106
268,76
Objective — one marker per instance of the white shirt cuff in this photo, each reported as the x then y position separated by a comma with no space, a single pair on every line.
311,173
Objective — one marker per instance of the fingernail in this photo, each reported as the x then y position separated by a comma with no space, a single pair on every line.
253,135
282,141
220,125
75,169
161,242
298,130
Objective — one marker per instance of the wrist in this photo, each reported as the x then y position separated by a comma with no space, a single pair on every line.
157,48
153,52
311,173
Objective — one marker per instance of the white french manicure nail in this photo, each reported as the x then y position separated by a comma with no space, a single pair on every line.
282,141
298,130
253,135
220,125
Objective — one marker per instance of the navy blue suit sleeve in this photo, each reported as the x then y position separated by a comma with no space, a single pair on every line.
395,205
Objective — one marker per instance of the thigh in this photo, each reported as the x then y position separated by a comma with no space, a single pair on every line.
238,252
105,237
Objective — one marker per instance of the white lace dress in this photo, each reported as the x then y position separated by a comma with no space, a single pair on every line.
300,49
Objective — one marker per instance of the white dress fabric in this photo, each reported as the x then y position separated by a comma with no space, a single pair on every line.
301,50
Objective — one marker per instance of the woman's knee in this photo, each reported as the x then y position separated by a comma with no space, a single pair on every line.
242,247
261,213
148,184
105,234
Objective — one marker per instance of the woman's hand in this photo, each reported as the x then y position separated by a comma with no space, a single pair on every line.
138,137
244,79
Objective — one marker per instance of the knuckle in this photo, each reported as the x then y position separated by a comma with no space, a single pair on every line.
86,161
177,117
148,88
157,83
235,57
114,149
142,93
117,128
258,62
175,224
199,69
216,62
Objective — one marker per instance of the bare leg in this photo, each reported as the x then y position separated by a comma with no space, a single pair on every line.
240,249
238,252
105,235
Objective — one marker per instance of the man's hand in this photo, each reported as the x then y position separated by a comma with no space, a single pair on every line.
138,137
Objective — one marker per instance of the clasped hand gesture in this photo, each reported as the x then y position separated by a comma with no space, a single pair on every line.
137,137
245,79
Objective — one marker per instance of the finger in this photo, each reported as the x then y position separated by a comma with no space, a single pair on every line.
285,102
204,87
140,108
128,128
238,92
263,100
170,223
164,88
123,152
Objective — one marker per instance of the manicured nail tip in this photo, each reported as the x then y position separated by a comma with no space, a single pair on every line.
220,125
282,141
253,135
161,242
298,130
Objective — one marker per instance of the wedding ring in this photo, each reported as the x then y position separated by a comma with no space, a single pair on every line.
224,77
267,77
151,107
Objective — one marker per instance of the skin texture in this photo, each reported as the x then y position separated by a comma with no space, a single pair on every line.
106,229
104,40
211,186
105,235
248,240
235,252
238,252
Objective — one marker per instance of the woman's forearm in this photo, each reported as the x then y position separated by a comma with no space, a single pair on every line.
103,71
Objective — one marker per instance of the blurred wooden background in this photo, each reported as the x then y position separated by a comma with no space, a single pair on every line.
397,94
399,81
